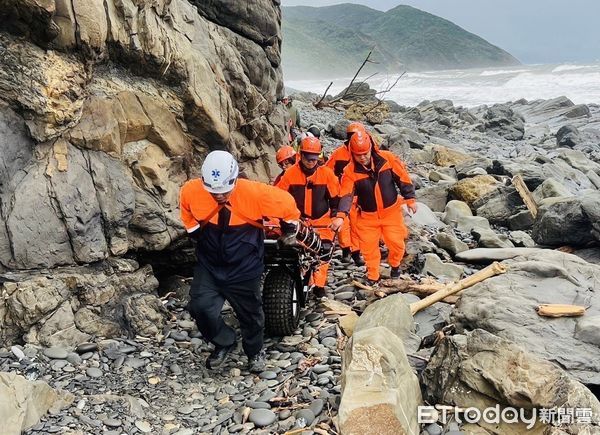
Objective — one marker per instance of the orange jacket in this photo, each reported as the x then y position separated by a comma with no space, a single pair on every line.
316,194
231,240
375,187
339,159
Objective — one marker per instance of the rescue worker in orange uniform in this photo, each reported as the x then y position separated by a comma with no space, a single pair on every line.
316,191
286,156
373,176
339,159
224,214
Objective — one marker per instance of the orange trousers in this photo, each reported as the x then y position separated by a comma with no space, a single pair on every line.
348,238
373,226
319,277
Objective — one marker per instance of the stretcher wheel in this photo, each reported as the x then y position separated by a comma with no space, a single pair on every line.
281,303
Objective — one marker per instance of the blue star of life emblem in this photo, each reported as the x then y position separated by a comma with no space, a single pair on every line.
216,174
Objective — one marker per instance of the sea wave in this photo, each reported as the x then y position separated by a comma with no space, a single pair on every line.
568,67
498,72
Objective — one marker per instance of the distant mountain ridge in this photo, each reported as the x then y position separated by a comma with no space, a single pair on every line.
332,41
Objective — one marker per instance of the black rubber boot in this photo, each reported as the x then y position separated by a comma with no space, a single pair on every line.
346,255
358,260
319,292
395,273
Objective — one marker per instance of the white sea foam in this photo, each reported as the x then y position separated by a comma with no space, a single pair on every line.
580,83
568,67
490,73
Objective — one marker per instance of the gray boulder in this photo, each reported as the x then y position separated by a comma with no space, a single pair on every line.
522,220
435,197
488,238
444,271
562,221
505,305
503,121
450,243
550,188
498,205
568,135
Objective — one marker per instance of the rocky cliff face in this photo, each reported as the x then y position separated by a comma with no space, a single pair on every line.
108,106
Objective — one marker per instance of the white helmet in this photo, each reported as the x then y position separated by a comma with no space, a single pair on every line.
219,172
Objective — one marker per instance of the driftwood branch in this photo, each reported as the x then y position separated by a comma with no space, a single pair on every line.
357,73
318,103
492,270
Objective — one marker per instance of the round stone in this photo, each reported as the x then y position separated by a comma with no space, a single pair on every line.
316,406
329,342
307,415
320,368
112,422
74,358
94,372
268,375
86,347
433,429
262,417
17,352
87,355
143,426
284,414
344,296
312,317
185,410
56,353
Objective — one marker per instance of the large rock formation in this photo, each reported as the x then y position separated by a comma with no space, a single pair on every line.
380,390
23,402
506,306
107,107
479,370
77,303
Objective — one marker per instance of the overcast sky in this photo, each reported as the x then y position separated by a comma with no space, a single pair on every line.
534,31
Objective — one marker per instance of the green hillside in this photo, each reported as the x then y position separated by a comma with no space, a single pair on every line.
332,41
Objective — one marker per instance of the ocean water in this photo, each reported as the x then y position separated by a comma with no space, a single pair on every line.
473,87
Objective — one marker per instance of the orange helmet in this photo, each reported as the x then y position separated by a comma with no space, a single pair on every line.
284,153
360,143
311,145
354,127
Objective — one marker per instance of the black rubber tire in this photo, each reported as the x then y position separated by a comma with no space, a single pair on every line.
279,291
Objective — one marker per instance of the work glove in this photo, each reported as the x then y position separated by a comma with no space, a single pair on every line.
326,251
288,234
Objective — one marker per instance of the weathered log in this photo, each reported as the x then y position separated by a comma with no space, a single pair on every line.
560,310
493,269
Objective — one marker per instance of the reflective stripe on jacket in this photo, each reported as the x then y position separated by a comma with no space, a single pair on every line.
375,187
316,194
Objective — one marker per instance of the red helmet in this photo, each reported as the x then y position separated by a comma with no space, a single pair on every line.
360,143
354,127
311,145
284,153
